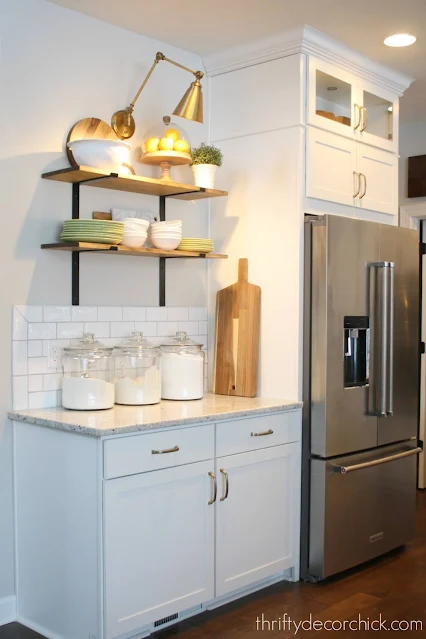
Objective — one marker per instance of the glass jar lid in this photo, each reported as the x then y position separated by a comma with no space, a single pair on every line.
137,344
180,341
88,345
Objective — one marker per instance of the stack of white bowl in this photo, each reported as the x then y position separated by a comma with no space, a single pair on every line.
135,232
166,235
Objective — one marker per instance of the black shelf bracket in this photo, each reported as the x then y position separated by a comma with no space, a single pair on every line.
162,267
75,255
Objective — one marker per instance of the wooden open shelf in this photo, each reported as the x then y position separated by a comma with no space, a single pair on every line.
131,183
87,247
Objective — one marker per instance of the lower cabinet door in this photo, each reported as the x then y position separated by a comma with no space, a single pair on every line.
378,172
158,545
257,515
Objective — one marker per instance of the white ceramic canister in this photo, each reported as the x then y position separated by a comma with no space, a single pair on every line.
182,368
88,376
137,372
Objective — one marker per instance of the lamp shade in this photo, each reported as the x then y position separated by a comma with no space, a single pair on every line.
191,105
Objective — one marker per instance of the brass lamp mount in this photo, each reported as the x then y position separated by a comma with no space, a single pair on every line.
190,107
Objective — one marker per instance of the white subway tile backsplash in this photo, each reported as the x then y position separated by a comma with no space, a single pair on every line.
110,313
70,330
38,366
35,348
177,313
84,313
41,330
157,314
20,393
57,313
52,382
31,313
197,313
45,399
149,329
189,327
134,314
122,329
19,358
19,325
167,328
100,329
35,383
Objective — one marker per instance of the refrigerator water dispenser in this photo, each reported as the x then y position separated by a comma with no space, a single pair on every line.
356,351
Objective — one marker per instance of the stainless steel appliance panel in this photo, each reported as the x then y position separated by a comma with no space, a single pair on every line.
401,247
342,249
361,506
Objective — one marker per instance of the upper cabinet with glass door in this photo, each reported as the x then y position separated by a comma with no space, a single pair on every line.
342,103
379,118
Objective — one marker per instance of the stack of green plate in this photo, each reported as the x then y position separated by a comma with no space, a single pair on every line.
198,244
96,231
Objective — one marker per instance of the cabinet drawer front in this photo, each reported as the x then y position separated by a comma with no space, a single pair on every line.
161,449
255,433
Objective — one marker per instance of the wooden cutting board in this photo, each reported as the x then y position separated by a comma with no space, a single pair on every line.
86,129
237,337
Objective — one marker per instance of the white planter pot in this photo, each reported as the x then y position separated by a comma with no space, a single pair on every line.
204,175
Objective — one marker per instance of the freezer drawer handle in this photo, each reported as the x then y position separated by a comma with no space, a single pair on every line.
344,470
266,432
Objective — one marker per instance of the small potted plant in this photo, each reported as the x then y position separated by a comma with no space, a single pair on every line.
205,160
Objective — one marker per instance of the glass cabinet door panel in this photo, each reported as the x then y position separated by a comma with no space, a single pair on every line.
333,98
377,117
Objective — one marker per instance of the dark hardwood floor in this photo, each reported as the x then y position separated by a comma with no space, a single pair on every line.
393,586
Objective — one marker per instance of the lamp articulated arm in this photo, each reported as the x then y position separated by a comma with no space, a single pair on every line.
123,122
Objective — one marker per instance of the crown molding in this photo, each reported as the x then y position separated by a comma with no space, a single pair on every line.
309,41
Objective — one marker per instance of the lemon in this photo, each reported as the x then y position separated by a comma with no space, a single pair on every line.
173,134
182,146
166,144
151,145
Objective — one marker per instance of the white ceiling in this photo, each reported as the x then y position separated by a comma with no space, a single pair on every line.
209,26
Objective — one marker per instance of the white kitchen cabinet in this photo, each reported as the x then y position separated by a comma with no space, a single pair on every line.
346,172
256,508
343,103
330,167
158,545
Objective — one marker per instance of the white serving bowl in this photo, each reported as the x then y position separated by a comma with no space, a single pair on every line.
166,236
161,225
134,241
134,224
108,155
169,243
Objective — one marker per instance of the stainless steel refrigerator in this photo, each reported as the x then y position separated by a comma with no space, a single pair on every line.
361,392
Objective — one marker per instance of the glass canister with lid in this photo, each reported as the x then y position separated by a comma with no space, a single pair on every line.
182,366
88,375
137,372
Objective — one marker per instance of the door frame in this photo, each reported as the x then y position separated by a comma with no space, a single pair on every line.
411,216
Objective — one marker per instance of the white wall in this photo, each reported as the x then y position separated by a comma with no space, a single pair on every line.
262,218
412,141
56,67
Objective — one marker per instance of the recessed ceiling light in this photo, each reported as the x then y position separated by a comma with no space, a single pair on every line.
331,88
400,40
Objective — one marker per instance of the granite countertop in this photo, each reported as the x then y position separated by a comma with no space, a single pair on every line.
132,419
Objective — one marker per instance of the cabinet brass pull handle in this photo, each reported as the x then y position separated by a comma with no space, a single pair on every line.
358,184
225,474
356,106
364,119
266,432
365,185
166,450
213,499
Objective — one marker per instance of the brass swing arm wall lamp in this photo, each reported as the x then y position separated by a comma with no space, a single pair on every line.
190,107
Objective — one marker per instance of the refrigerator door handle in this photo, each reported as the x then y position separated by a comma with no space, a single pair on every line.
344,470
389,390
379,317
